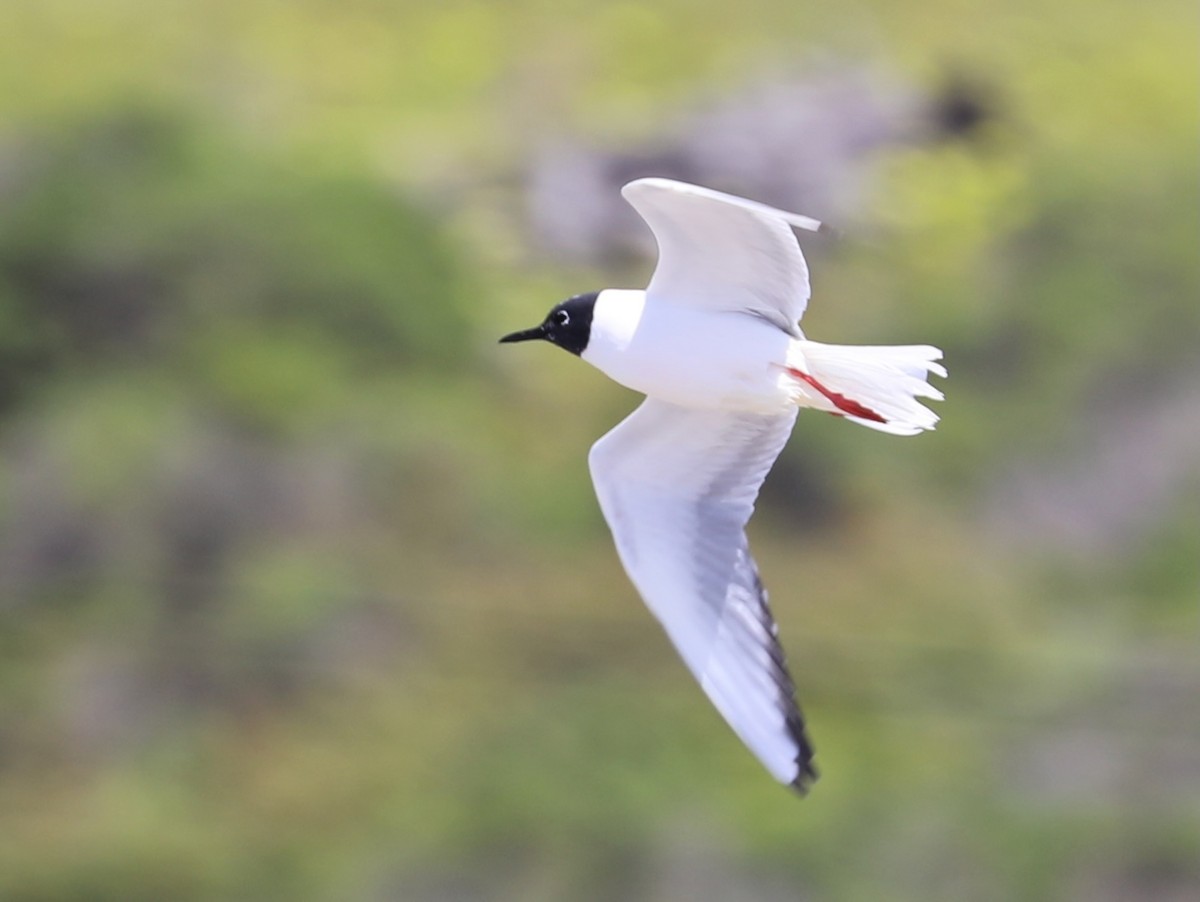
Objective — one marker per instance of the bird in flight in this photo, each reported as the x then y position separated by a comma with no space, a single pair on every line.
714,343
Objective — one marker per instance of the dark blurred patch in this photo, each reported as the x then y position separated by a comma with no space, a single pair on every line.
962,107
803,490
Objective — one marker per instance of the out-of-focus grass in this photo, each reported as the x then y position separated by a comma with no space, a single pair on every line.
304,590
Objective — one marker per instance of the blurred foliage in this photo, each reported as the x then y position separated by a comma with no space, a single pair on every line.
133,238
303,590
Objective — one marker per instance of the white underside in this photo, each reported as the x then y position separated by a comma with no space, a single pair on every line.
740,362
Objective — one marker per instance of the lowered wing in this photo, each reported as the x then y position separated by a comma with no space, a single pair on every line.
677,487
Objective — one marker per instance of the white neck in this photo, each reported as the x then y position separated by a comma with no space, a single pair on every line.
615,318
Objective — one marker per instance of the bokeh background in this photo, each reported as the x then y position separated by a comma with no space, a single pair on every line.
304,594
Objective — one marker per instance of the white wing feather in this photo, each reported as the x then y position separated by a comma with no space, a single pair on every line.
677,486
723,252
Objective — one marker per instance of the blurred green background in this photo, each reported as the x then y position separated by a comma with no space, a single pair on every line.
304,593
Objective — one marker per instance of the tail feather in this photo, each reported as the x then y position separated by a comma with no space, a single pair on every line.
876,386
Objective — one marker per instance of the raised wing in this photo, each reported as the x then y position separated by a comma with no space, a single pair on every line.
723,252
677,486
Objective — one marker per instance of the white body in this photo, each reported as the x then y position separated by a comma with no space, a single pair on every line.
697,358
714,343
740,361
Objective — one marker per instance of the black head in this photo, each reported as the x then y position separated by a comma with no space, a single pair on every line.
568,325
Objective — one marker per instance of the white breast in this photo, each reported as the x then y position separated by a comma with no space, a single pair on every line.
687,356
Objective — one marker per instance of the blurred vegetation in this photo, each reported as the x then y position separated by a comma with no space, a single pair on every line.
303,590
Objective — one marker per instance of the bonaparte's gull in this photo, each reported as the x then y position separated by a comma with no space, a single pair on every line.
714,343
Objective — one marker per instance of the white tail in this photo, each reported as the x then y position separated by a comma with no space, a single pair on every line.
877,386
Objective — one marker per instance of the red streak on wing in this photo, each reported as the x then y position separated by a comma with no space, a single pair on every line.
841,402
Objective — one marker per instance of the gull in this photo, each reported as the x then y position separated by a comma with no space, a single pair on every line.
714,343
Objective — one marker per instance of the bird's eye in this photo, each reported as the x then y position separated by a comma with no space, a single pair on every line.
561,318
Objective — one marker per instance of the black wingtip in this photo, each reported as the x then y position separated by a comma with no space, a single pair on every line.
806,778
807,773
